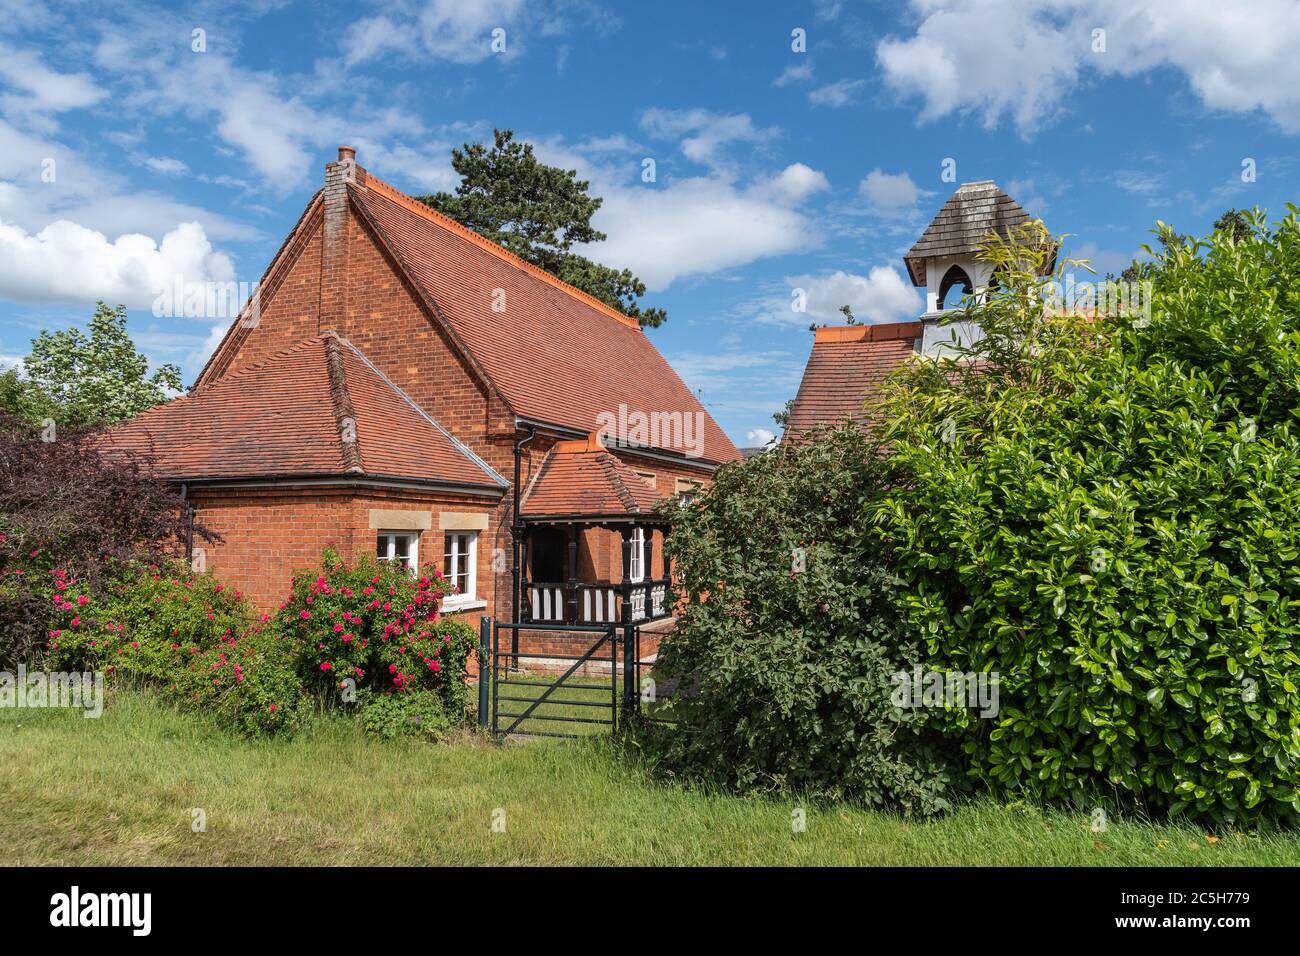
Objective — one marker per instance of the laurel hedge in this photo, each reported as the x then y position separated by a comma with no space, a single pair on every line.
1106,511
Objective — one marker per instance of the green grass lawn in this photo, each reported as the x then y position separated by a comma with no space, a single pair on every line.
119,790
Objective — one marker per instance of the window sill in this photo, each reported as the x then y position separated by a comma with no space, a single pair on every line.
456,605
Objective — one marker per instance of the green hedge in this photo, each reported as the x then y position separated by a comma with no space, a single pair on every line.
1107,513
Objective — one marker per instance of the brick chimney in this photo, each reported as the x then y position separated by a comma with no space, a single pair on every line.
333,308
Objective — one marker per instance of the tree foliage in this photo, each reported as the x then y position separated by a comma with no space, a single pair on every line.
77,379
539,213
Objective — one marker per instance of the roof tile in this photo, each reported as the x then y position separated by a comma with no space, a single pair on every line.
554,353
320,408
846,363
961,226
584,478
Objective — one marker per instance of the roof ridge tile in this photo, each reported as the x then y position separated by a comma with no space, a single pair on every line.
607,462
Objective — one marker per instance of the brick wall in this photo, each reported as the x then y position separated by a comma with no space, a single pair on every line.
270,533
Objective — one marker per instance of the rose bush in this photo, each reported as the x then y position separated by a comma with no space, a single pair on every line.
372,626
185,633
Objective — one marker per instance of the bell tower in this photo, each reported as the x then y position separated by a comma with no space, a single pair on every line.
945,259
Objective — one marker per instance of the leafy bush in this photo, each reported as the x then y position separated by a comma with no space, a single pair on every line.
1105,513
65,507
372,626
186,633
369,630
414,713
788,644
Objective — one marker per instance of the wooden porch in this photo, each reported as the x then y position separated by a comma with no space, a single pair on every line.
635,597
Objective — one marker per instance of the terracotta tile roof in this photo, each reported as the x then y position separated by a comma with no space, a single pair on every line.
584,478
317,409
968,217
554,354
847,362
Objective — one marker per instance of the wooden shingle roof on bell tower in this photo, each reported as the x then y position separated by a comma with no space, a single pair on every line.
966,220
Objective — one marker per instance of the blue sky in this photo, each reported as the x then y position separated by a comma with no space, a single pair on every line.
126,154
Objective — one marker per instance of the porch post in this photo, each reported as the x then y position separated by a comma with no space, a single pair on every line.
525,610
629,636
626,532
571,582
625,586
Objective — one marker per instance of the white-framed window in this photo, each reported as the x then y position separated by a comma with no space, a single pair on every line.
687,491
636,567
460,566
403,546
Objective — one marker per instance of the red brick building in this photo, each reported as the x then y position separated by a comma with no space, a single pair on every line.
397,384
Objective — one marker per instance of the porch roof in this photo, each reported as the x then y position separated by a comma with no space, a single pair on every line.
584,480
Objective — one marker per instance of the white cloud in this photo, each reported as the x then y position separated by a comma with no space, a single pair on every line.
66,262
424,168
882,295
682,227
95,196
889,193
725,376
276,127
759,437
166,165
794,183
695,227
1139,182
838,94
252,111
1021,59
451,30
41,88
827,9
800,73
704,135
369,37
